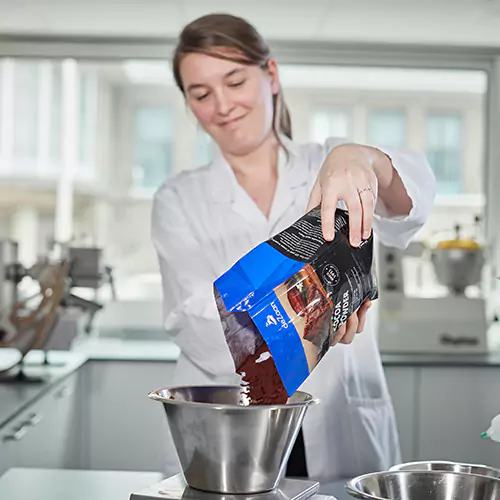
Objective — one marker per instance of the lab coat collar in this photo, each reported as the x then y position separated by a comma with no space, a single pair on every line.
291,171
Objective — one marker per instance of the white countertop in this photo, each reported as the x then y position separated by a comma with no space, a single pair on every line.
108,348
46,484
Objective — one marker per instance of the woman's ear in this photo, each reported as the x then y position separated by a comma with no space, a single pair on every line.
272,70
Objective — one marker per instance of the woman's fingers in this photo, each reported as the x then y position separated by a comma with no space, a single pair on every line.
351,329
328,208
359,201
354,324
355,211
362,315
337,336
367,200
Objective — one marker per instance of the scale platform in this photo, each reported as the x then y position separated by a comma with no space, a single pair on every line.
175,488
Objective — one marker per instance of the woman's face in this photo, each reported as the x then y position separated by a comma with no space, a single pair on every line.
233,102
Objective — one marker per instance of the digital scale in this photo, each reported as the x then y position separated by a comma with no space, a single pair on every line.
175,488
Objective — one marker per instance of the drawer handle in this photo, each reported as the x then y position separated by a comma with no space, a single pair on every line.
33,420
17,435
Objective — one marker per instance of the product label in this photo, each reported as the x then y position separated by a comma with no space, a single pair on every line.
283,302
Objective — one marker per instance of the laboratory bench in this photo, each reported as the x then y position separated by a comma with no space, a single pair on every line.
92,410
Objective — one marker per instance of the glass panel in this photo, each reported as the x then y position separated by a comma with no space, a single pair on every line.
444,150
87,125
26,89
153,146
387,127
56,118
330,122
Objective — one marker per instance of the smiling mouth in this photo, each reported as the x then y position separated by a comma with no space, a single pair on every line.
230,122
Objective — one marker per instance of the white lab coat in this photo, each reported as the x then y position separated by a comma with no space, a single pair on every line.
203,222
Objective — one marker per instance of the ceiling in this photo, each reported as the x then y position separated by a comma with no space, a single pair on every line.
447,22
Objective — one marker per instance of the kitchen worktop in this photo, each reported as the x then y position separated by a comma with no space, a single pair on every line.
466,359
43,484
15,396
103,348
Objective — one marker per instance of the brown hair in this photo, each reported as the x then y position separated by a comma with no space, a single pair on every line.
225,30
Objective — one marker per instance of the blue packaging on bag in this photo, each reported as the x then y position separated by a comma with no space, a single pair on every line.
282,303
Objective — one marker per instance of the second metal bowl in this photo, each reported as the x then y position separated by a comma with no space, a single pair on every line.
424,485
447,466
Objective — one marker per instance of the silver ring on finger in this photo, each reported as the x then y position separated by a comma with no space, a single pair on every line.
361,191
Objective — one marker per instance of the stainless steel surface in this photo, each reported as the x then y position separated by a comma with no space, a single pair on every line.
175,488
457,269
428,485
224,447
441,465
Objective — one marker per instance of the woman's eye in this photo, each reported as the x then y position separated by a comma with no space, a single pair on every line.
237,84
201,97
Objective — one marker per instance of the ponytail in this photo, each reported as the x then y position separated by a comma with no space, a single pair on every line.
282,121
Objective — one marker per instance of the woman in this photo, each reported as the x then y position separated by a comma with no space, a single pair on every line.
259,183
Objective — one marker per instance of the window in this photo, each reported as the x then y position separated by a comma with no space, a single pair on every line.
444,150
153,146
204,147
56,116
87,114
387,128
2,76
26,90
330,122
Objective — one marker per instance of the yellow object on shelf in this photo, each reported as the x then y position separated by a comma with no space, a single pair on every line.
458,244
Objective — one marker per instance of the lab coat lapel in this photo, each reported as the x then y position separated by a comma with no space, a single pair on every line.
226,191
292,175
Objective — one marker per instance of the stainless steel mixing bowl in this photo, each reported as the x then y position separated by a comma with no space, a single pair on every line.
224,447
424,485
443,465
456,268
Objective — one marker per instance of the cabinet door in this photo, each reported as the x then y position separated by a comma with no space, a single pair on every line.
9,447
456,406
401,381
126,430
47,433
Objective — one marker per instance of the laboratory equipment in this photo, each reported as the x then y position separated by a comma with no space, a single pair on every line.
445,310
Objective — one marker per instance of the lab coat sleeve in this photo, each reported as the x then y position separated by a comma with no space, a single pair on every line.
420,184
189,309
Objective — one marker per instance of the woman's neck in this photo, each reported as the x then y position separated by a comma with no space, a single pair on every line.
257,173
261,162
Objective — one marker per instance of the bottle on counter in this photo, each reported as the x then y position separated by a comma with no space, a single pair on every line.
493,432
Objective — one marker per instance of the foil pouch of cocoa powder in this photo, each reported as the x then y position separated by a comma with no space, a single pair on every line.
283,302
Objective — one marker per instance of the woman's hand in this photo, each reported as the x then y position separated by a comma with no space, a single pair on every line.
354,324
347,174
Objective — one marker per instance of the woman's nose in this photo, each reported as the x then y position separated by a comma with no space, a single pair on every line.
224,103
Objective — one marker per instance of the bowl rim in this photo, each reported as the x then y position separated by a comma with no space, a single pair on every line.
216,406
357,493
403,466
